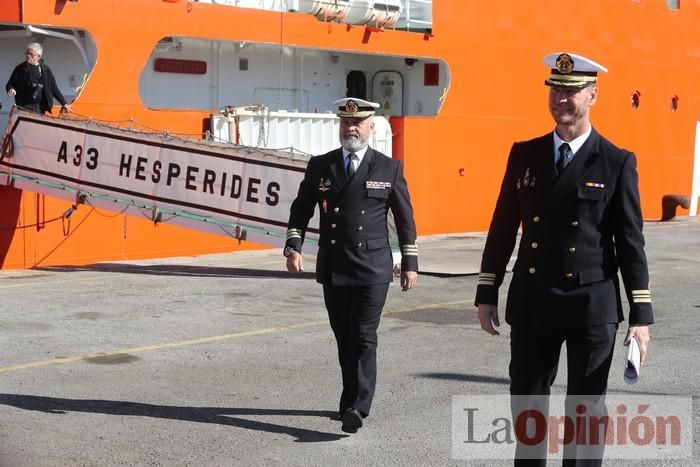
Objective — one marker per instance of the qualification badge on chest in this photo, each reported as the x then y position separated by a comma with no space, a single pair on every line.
324,185
526,180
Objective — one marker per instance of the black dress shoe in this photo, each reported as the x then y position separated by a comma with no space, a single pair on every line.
352,420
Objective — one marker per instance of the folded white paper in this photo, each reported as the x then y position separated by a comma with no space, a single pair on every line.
632,362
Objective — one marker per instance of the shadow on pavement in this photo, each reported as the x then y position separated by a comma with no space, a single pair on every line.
466,377
218,415
179,270
506,381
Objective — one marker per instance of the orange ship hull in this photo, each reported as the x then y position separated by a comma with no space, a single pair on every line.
454,160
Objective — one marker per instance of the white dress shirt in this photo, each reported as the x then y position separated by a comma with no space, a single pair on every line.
356,163
575,144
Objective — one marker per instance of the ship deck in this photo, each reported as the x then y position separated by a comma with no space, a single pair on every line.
228,360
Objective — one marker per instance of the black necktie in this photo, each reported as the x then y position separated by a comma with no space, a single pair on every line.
563,157
350,169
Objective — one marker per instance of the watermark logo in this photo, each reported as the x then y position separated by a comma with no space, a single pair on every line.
575,427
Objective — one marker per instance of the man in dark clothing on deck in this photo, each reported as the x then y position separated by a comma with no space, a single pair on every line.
33,85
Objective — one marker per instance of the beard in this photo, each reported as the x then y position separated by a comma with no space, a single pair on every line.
352,143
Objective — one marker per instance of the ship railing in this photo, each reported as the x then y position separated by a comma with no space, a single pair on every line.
297,133
409,15
417,16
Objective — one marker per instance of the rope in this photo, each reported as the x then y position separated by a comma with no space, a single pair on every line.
29,226
183,137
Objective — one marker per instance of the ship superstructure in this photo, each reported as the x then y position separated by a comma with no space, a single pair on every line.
458,82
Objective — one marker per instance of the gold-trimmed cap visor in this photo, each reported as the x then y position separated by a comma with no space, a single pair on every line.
571,80
350,107
572,70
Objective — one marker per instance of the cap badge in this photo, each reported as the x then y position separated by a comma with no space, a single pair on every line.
565,64
351,107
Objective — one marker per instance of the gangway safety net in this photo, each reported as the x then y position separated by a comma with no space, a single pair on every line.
229,190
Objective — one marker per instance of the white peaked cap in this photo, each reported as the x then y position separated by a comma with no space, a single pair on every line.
572,70
352,107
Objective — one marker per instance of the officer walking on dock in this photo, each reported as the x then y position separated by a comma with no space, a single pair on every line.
354,187
576,196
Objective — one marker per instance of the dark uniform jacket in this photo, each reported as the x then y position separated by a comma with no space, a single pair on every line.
577,230
354,244
19,81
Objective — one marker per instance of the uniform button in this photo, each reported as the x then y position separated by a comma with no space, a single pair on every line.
532,270
359,228
333,242
336,209
332,226
572,250
534,245
574,224
569,275
359,245
362,212
536,219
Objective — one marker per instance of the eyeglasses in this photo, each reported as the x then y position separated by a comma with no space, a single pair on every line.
31,53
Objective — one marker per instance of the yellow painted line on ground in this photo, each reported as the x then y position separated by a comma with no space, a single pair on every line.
48,282
429,306
205,340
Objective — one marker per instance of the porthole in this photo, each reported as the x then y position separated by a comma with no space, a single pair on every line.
636,97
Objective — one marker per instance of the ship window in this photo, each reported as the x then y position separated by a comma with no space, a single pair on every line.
287,78
673,4
356,84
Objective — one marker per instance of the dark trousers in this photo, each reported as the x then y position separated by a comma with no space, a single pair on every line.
354,314
533,368
34,107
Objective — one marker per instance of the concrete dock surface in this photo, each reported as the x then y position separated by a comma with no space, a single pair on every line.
227,360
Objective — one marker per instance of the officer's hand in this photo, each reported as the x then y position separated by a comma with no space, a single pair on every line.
67,108
11,92
488,316
295,263
408,279
641,333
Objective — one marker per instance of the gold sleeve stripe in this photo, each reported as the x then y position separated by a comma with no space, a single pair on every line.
409,250
641,296
486,278
293,233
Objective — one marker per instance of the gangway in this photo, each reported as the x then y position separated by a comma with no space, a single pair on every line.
226,189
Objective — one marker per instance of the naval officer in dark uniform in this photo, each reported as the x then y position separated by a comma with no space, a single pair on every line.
576,197
354,188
